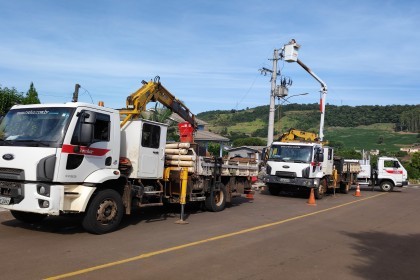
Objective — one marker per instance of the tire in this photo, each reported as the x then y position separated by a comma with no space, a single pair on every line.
321,190
216,200
386,186
273,189
104,213
26,217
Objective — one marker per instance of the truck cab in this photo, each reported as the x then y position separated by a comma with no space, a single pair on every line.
295,165
387,173
390,173
52,156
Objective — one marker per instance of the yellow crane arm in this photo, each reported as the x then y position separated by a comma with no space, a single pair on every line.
154,91
298,135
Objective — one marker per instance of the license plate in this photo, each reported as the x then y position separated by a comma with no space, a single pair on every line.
5,200
283,180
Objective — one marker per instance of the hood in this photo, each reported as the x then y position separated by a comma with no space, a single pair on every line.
26,163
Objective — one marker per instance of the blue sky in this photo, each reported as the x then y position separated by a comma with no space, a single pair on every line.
208,53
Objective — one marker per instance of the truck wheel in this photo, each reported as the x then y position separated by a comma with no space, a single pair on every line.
26,217
321,190
387,186
273,189
104,213
216,200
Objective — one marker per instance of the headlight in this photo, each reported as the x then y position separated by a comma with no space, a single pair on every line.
43,203
43,190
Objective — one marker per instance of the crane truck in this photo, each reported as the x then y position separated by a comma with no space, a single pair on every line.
78,158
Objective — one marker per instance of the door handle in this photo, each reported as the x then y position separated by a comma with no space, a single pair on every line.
155,152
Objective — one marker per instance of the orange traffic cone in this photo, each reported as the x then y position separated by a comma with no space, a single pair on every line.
357,193
311,200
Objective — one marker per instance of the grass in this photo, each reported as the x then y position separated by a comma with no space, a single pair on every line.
246,128
376,136
362,137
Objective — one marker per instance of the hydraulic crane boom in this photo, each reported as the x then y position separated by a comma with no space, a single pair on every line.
155,92
295,135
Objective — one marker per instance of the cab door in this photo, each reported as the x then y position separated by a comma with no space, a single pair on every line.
151,152
80,157
393,169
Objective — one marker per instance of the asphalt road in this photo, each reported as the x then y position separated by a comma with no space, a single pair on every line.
376,236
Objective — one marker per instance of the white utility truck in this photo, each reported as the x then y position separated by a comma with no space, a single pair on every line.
387,173
81,158
296,163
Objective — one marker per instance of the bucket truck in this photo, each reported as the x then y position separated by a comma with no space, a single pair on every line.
300,160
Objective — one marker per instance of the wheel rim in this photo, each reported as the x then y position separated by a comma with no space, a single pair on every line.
386,187
218,198
107,211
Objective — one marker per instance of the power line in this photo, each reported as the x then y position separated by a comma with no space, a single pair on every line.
247,92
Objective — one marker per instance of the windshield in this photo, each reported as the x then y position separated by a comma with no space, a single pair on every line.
35,127
291,153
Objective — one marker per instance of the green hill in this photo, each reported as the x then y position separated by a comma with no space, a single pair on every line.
385,128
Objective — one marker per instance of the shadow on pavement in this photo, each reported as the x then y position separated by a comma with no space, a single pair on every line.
386,256
71,224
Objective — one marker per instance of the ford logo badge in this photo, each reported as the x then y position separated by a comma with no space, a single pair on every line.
286,166
8,156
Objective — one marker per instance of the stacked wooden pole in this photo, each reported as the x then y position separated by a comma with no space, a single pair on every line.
180,155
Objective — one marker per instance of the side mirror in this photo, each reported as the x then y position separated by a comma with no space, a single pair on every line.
86,134
88,117
263,154
86,127
319,157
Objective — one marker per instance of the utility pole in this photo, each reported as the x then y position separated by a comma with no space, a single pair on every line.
276,91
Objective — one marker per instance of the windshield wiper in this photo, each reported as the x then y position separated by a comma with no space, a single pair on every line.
33,143
4,142
276,159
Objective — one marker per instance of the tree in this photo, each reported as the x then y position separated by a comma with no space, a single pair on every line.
260,132
336,144
347,153
410,119
31,96
224,131
162,114
413,168
214,149
8,98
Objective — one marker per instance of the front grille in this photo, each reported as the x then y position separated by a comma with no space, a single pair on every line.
13,190
286,174
10,170
12,173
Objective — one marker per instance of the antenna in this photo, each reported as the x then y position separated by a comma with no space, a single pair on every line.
76,93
